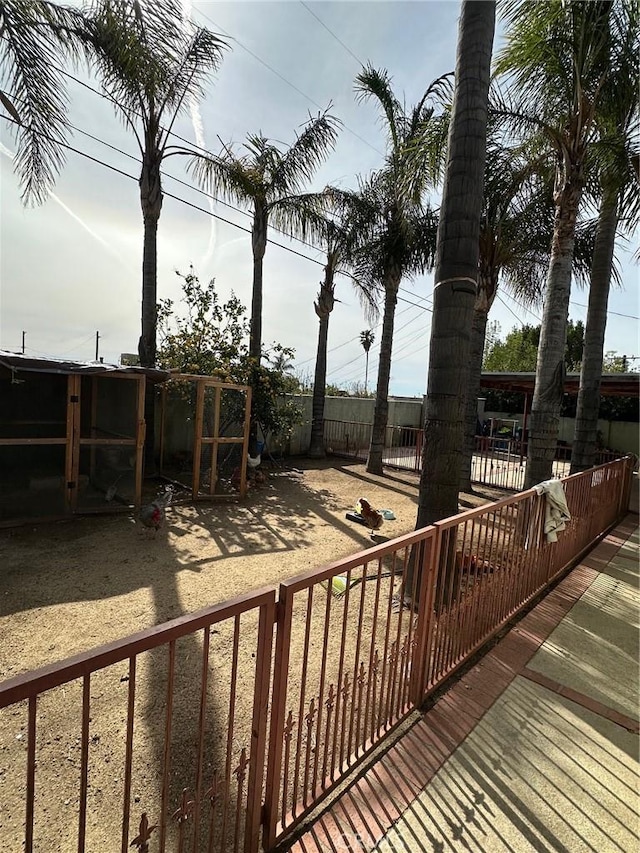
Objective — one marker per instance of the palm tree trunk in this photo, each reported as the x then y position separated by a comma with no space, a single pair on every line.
484,300
586,428
151,204
456,272
550,368
323,307
381,409
258,245
366,370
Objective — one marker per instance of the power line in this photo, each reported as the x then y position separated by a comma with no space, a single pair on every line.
376,345
171,195
284,79
508,307
616,313
331,32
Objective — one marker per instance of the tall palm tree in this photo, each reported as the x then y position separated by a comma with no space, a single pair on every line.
36,38
559,56
151,61
515,235
510,246
340,240
619,206
456,272
401,227
270,181
366,340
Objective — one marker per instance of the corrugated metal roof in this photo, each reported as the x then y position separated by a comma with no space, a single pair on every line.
18,363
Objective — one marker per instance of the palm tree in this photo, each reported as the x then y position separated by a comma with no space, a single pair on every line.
270,181
456,272
36,38
151,62
619,204
515,235
400,227
366,339
559,56
340,239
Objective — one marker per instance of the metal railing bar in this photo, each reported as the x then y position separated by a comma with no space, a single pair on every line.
128,759
31,774
204,677
37,681
166,756
84,763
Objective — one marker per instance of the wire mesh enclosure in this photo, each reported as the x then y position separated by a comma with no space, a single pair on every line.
204,435
71,437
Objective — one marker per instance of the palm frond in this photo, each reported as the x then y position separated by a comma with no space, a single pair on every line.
439,93
36,38
301,216
373,83
201,54
234,178
150,60
297,166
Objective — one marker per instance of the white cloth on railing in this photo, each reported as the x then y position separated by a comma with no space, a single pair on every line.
556,511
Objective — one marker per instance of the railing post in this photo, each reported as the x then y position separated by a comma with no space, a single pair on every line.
259,727
278,711
427,574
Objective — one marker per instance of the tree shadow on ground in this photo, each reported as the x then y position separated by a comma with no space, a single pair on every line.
96,559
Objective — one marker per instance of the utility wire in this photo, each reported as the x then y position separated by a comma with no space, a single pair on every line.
284,79
616,313
171,195
331,32
197,148
509,308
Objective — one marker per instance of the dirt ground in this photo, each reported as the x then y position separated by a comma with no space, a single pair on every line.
68,587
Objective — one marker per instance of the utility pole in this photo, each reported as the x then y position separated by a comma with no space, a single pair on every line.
97,340
23,336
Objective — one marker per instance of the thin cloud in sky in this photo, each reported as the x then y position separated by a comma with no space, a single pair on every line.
198,129
105,245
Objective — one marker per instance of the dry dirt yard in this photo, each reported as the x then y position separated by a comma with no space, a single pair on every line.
68,587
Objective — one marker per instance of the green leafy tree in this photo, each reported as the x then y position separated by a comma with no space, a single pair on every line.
614,363
518,352
210,339
560,58
398,228
270,180
37,37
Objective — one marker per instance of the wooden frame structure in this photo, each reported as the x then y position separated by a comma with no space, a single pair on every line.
74,428
82,421
199,491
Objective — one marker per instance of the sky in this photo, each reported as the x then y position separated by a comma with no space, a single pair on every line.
72,267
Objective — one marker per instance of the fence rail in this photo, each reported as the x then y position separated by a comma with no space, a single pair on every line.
496,461
214,738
